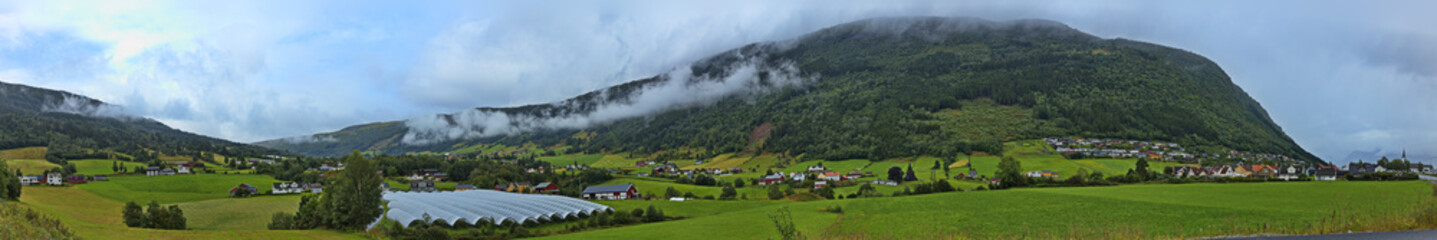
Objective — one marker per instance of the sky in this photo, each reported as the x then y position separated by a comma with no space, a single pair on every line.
1347,80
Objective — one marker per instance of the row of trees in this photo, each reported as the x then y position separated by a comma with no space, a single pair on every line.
154,216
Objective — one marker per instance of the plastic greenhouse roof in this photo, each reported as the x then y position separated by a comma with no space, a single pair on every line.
476,205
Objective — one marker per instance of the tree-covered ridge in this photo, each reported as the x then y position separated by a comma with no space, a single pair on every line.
78,126
891,87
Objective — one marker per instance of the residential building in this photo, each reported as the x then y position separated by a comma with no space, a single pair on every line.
610,192
54,178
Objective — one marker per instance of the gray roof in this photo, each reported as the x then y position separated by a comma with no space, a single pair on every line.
493,206
608,188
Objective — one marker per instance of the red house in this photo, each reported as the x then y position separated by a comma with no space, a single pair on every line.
546,187
610,192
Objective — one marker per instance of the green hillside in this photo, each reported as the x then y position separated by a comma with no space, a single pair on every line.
903,87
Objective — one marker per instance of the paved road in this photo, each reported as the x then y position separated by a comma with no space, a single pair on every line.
1415,235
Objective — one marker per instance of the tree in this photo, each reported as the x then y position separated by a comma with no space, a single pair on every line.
352,201
654,214
1142,168
895,174
134,215
155,216
1011,172
774,193
909,176
738,183
9,184
175,219
728,193
671,192
69,168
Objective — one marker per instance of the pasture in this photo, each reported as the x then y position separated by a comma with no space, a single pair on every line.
91,216
175,188
1129,211
565,160
251,213
24,153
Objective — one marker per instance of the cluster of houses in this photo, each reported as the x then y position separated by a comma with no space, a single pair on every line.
56,179
526,187
1292,171
1125,148
670,168
823,176
428,174
293,188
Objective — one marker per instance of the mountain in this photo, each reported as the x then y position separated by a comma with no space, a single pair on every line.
75,126
876,88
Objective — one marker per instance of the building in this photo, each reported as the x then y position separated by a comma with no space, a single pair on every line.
54,178
30,180
610,192
183,170
1043,173
152,171
100,178
546,187
243,186
421,186
797,176
76,179
817,168
384,186
820,184
465,187
519,187
771,179
314,187
1327,174
286,188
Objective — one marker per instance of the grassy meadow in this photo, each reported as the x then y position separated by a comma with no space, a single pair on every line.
30,166
175,188
1130,211
24,153
101,166
251,213
91,216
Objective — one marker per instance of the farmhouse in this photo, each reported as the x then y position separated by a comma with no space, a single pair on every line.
771,179
1043,173
797,176
610,192
152,171
817,168
885,182
1288,172
520,187
1327,174
314,187
100,178
183,170
243,186
54,178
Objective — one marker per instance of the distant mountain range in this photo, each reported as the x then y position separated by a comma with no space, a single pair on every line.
63,121
876,88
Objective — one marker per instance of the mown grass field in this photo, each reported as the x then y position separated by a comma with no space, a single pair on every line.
30,166
176,188
251,213
91,216
1130,211
102,166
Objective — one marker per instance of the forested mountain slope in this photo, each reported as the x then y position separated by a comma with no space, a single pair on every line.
876,89
75,126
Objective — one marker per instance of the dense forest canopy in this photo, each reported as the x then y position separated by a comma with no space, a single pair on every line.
894,87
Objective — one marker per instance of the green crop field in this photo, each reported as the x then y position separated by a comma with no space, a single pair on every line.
30,166
91,216
101,166
251,213
176,188
1131,211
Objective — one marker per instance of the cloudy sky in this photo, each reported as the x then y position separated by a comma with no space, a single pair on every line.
1348,79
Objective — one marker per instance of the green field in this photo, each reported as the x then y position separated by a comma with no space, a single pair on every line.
176,188
1131,211
843,167
657,188
101,166
91,216
443,186
23,153
30,166
251,213
565,160
618,160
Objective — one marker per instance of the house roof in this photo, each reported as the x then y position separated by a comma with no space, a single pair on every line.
465,186
608,188
543,185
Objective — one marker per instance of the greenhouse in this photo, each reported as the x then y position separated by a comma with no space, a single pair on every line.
483,205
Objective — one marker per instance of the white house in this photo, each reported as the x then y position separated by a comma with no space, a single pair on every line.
183,170
151,171
816,168
29,180
54,178
797,176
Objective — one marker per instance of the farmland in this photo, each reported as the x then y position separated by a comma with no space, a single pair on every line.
100,166
174,189
91,216
31,166
1131,211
